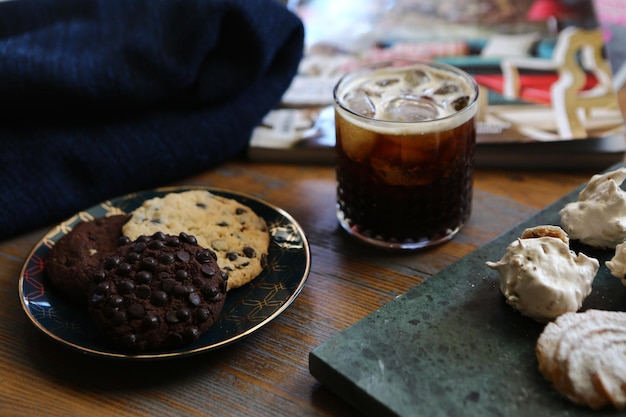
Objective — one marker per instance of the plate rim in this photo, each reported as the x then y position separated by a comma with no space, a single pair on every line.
75,218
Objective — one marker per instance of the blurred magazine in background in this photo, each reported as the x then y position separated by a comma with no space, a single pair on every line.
547,93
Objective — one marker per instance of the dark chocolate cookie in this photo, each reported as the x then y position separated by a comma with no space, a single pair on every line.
157,292
73,258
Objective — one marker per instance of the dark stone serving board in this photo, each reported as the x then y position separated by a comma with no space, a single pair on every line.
451,346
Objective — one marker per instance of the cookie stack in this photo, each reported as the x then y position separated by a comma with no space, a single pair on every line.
158,278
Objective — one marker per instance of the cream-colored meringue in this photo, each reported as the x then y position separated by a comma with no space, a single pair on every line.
598,218
542,278
617,264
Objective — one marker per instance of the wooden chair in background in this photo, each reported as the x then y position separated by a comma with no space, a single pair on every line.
583,80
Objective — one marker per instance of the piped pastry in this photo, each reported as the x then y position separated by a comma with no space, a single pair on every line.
582,354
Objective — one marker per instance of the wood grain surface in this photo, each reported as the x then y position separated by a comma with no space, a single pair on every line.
265,374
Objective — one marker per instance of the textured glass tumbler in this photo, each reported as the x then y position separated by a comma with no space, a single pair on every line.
405,151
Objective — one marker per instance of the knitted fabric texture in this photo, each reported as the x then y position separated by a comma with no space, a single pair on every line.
104,97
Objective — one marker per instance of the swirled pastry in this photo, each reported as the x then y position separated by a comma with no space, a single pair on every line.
598,218
541,277
582,354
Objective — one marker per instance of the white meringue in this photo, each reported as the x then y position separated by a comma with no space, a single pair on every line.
542,278
617,264
598,218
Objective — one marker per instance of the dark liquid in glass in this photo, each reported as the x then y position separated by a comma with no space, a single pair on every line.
408,188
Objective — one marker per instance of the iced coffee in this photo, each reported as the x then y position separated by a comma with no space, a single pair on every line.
405,146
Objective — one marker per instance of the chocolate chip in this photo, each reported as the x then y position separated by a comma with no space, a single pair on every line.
183,314
181,274
171,317
202,315
194,299
158,236
183,255
188,238
150,322
156,245
124,269
232,256
191,334
125,286
181,291
132,257
143,291
111,262
98,275
208,270
173,241
149,263
139,246
240,210
206,256
210,292
159,298
103,287
166,258
115,301
123,240
249,252
143,277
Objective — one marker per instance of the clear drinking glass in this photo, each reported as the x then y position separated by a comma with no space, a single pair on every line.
405,150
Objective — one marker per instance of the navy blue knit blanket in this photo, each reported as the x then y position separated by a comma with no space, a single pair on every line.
99,98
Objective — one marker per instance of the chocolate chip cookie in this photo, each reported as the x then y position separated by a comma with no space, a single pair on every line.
72,259
239,237
157,292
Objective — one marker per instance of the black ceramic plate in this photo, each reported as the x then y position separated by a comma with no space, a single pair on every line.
247,309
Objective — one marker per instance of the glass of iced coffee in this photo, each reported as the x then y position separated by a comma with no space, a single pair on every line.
405,150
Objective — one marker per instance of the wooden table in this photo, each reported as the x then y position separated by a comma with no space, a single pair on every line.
265,374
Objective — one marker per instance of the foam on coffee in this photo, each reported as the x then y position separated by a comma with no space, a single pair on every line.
407,99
